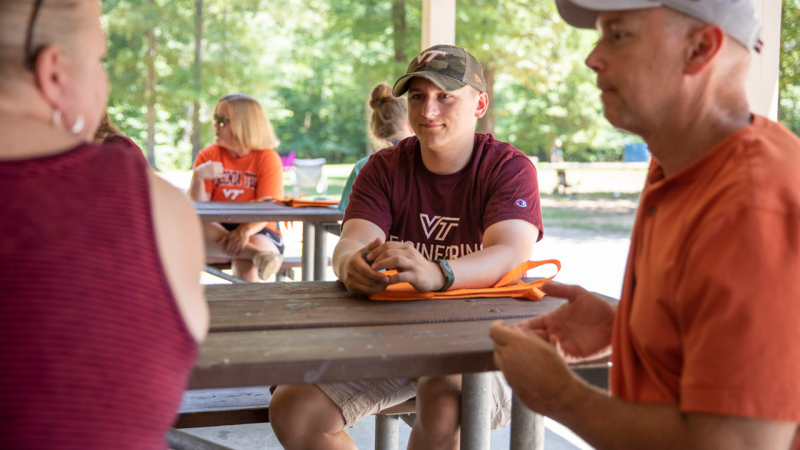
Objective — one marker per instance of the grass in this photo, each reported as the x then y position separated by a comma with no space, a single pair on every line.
602,200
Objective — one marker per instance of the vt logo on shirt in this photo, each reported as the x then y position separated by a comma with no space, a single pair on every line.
231,194
444,224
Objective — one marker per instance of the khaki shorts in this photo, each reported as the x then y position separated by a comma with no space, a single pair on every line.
359,399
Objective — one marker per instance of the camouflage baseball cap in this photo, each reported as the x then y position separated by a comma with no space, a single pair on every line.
447,66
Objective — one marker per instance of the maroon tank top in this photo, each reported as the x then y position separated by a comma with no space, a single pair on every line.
94,353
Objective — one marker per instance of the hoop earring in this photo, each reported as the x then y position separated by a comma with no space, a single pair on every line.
78,126
55,119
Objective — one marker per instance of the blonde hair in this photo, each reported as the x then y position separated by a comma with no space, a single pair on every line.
389,116
249,124
58,22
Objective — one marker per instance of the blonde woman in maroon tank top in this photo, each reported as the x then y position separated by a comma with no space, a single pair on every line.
101,308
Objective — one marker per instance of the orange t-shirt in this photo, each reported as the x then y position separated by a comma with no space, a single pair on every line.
255,175
258,174
710,312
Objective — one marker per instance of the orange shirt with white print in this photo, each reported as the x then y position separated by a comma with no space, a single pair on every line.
255,175
709,318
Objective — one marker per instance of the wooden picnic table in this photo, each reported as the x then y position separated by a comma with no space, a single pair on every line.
309,332
314,258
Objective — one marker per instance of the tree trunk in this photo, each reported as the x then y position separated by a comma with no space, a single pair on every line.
198,57
150,96
399,35
486,123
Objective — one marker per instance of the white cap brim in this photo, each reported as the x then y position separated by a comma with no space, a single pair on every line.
584,13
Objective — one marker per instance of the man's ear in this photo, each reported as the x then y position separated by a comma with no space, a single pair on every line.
50,75
704,45
483,105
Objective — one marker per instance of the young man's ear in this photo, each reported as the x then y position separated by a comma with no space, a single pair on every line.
50,75
704,45
483,105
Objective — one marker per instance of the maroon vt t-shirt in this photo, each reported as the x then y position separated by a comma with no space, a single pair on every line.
444,216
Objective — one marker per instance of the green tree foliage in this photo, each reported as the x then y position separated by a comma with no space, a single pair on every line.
313,63
789,84
543,89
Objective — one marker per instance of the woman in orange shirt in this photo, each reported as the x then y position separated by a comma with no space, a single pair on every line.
241,166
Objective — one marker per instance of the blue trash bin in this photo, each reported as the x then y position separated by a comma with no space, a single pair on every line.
636,152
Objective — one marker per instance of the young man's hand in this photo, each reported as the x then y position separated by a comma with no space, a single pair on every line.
579,329
360,278
411,266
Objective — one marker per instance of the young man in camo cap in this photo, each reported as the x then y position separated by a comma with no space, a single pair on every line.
447,208
705,347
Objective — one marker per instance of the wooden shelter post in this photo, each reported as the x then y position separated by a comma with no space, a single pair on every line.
762,81
438,22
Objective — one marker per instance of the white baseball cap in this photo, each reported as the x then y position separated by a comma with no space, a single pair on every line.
736,17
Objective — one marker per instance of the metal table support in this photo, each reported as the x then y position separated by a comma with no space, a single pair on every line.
320,251
220,274
476,405
308,251
387,432
527,427
181,440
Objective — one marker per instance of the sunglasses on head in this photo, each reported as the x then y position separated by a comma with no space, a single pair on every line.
30,52
221,120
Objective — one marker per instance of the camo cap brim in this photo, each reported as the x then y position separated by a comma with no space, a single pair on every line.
441,81
448,67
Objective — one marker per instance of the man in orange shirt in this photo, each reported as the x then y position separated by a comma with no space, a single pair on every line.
705,342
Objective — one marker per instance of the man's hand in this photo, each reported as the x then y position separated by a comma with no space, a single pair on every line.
579,329
235,241
411,266
209,170
359,277
533,368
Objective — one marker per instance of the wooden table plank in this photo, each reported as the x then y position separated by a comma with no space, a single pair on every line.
287,290
352,312
244,212
261,358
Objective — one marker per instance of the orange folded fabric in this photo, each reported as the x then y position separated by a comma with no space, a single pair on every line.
529,291
295,203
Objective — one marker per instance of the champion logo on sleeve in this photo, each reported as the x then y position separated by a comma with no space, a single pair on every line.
521,203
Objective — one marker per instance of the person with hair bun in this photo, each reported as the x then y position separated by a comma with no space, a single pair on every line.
241,166
388,125
101,308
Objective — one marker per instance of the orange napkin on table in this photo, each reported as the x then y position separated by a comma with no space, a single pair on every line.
296,203
529,291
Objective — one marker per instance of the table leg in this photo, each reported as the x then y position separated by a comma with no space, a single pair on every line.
476,405
181,440
320,252
308,251
387,432
527,427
